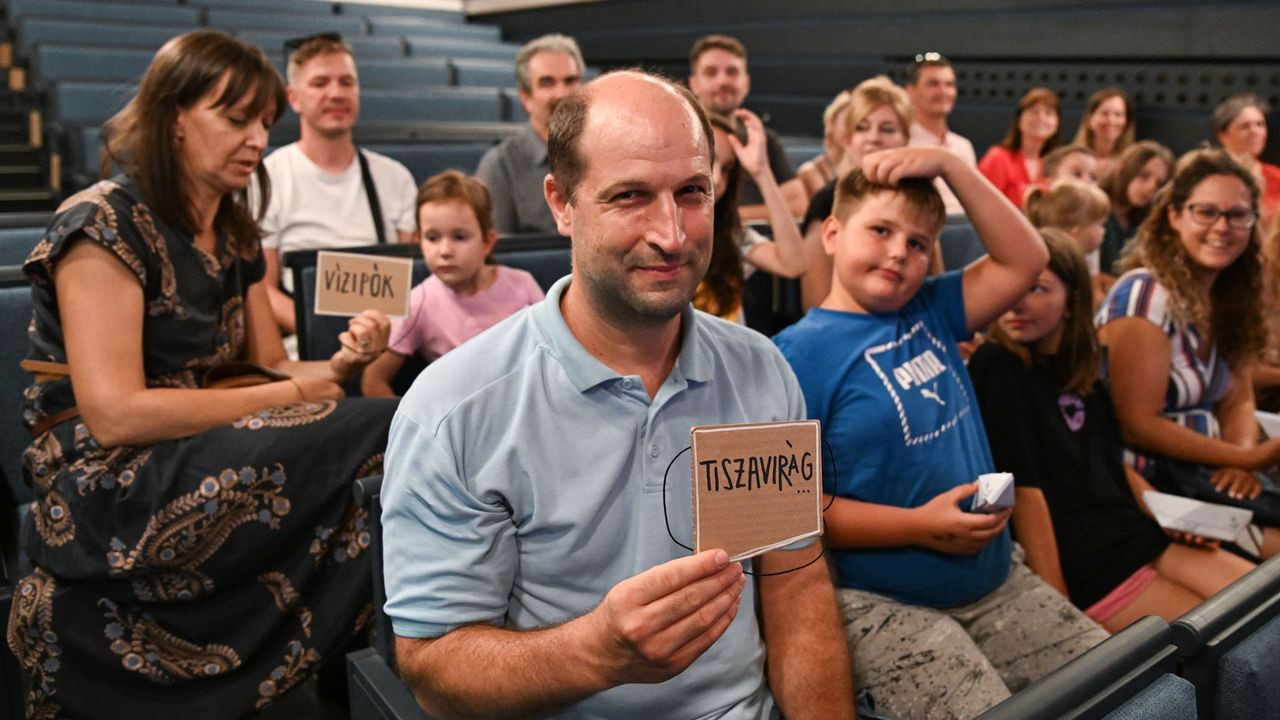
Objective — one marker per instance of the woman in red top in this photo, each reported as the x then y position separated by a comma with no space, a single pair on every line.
1240,122
1014,164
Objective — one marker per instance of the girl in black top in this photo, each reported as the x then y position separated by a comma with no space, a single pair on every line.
1051,423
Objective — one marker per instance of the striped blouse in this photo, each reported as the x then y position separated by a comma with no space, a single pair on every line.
1195,385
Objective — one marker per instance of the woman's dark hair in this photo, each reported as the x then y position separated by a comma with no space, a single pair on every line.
1078,356
141,137
1129,163
722,286
1013,139
1233,307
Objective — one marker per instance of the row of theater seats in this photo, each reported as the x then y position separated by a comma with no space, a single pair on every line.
417,67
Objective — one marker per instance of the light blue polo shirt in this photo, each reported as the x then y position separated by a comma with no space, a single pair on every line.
524,480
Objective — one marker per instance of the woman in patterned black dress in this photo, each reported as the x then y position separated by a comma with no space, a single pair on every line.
195,551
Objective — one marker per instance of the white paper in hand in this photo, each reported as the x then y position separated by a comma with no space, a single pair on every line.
1219,522
1270,423
995,493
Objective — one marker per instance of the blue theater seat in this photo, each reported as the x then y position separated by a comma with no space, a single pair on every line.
16,243
109,11
434,46
84,102
87,62
390,25
35,31
443,103
1126,677
365,47
427,159
402,73
1229,647
300,23
960,243
484,72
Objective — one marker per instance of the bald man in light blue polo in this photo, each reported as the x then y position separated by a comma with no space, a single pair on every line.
529,571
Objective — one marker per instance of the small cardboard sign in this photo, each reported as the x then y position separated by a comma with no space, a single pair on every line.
756,486
349,284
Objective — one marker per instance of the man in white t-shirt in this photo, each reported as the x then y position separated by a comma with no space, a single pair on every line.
320,194
931,85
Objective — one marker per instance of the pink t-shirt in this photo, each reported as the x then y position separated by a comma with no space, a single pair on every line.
440,320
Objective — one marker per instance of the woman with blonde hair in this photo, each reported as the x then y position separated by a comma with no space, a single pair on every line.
1107,127
821,170
1015,163
1184,329
878,117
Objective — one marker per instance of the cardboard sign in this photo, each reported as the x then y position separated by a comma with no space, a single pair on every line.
756,486
349,284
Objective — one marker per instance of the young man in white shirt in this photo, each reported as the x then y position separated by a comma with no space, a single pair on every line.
323,192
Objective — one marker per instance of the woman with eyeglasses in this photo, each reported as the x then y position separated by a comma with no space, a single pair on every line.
1183,329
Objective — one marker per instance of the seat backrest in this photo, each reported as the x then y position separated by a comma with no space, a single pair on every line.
301,23
15,317
1206,634
1168,697
89,62
1099,681
1247,686
960,244
16,243
37,30
110,11
546,265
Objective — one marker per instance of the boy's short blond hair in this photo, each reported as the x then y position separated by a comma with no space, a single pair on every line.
919,194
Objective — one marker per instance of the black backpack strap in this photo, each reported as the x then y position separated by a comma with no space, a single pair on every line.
371,191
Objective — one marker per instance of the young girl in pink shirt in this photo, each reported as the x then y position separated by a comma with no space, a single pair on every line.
464,295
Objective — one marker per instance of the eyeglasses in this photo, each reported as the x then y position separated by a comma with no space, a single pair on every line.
928,57
1205,215
294,43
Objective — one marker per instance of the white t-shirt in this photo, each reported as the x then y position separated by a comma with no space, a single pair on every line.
311,209
957,144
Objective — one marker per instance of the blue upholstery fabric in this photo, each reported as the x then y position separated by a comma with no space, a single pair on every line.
1248,674
1167,698
435,46
960,244
445,103
37,30
16,243
401,72
90,103
301,23
365,47
427,159
56,62
118,12
385,25
484,72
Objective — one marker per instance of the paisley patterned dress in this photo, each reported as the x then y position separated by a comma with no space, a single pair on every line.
201,576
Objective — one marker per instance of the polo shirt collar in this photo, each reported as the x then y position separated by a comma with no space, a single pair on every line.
586,372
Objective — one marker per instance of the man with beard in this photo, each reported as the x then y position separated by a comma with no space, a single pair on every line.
324,193
931,85
528,567
718,78
547,69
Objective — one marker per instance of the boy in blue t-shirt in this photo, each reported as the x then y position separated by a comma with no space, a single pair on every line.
940,621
